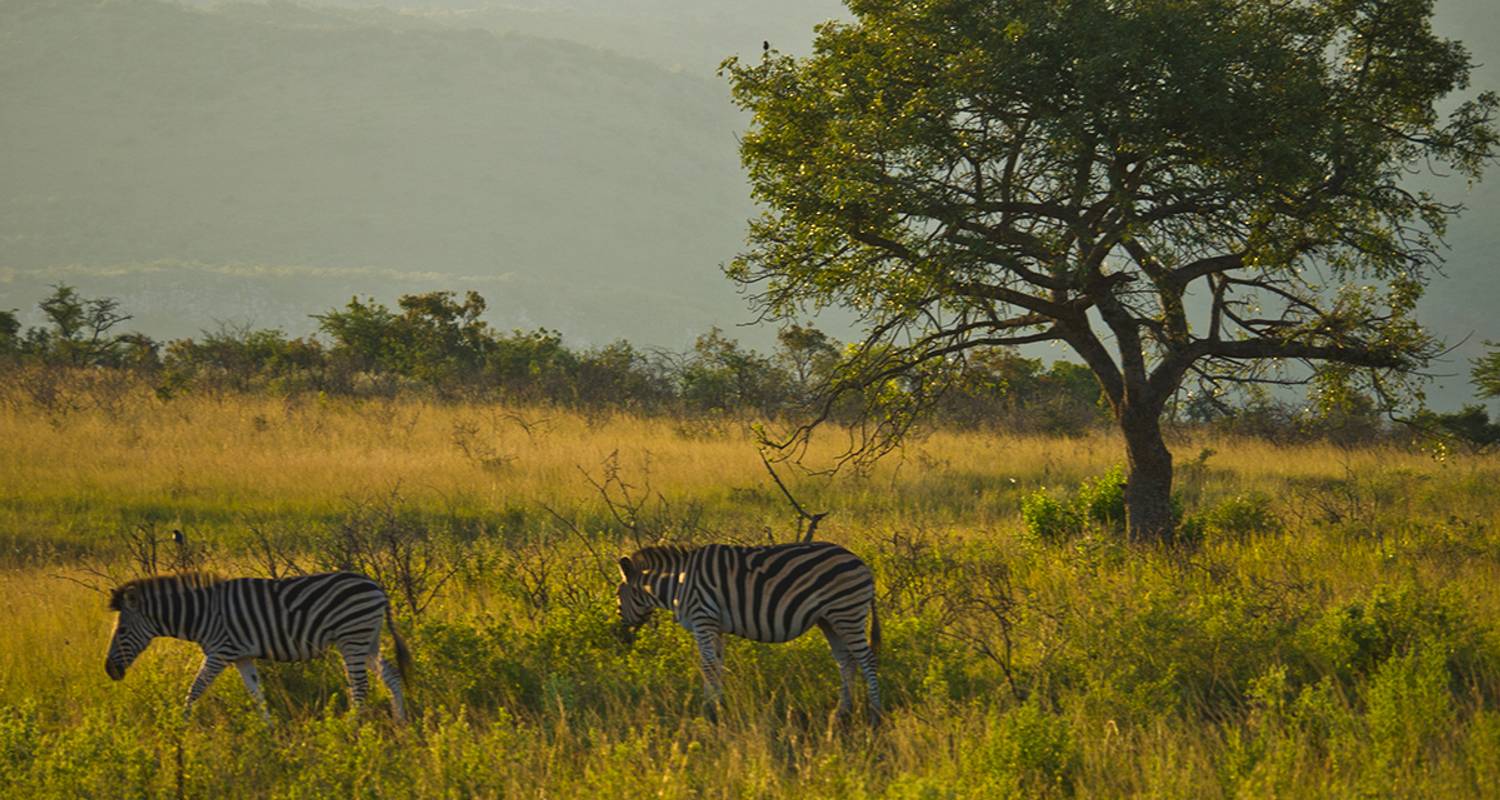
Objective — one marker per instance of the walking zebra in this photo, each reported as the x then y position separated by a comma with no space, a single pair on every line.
235,621
768,594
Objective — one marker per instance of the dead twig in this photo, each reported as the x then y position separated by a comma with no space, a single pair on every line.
812,519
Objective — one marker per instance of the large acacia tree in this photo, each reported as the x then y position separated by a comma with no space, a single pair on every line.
1176,189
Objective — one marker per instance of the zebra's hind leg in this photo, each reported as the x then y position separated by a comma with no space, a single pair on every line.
356,663
392,680
846,669
864,656
251,676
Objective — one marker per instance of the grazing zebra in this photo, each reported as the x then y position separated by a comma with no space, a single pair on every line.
235,621
769,594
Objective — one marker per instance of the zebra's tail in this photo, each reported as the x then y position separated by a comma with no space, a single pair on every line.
874,628
403,656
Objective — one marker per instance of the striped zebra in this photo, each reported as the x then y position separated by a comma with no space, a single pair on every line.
238,620
768,594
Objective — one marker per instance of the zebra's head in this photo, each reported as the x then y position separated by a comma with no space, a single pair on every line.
635,606
133,630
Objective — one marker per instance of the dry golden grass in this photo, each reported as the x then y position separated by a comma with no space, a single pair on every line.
1142,665
270,454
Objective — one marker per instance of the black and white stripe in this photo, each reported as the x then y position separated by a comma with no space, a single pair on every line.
768,594
236,621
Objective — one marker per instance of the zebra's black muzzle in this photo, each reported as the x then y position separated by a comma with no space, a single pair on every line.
113,670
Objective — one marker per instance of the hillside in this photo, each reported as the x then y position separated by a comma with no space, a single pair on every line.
567,183
692,35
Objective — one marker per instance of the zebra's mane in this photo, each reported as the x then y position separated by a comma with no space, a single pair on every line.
656,555
181,582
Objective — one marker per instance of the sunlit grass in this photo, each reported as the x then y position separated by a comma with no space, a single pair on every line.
1147,672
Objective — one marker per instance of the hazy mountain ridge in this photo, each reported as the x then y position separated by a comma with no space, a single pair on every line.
145,132
694,35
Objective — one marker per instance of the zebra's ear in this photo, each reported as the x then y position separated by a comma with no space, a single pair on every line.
627,570
122,599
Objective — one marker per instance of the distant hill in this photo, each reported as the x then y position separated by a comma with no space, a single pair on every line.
692,35
576,188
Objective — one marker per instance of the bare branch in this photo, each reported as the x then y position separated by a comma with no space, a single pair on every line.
812,519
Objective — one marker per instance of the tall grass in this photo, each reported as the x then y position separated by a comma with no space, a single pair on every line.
1332,635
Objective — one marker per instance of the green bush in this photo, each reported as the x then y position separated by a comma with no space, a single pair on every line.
1352,641
1102,500
1481,747
1099,502
1027,752
1409,709
1237,518
1048,519
20,741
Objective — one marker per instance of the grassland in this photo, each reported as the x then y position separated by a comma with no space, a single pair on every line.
1333,634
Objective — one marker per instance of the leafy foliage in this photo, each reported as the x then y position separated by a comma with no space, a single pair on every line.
970,174
79,333
1485,373
1099,501
438,343
1470,427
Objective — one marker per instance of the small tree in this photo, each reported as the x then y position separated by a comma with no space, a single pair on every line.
436,339
720,375
1484,372
241,358
1470,426
444,340
80,329
363,333
807,355
10,333
1196,188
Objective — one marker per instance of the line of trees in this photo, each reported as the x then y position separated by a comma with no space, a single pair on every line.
438,343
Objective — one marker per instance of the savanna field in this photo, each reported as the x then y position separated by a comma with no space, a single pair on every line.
1327,629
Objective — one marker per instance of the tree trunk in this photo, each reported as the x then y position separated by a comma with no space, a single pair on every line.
1148,488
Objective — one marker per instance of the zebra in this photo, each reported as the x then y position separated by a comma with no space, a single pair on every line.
241,619
767,594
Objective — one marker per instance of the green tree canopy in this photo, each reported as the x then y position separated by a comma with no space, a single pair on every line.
968,173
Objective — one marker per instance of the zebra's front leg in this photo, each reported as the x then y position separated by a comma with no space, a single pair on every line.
213,664
251,676
711,659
